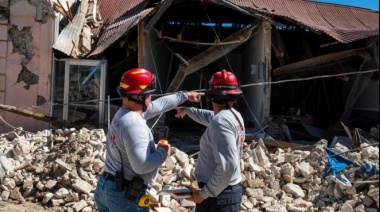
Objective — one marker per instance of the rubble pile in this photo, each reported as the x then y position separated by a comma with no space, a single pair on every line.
60,170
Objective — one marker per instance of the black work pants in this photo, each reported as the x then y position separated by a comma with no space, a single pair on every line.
227,201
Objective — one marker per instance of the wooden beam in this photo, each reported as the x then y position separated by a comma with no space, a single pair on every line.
264,117
158,15
313,62
179,39
279,48
209,56
329,44
37,116
177,55
348,131
141,61
282,144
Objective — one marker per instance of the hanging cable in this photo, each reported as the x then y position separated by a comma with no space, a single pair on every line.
170,69
310,78
229,64
13,127
217,36
158,79
202,90
154,64
250,110
157,120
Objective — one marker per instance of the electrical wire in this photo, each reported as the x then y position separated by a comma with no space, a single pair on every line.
217,36
158,79
202,90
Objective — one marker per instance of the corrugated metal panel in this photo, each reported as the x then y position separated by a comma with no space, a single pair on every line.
113,31
343,23
68,40
110,10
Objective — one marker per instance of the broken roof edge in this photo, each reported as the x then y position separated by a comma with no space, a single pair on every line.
341,5
112,25
112,34
281,9
334,35
248,12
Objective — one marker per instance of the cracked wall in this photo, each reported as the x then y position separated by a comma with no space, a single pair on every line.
22,42
26,38
27,77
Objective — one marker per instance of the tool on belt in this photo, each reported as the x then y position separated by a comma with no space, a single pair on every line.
144,201
135,188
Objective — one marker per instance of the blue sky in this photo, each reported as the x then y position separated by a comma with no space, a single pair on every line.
370,4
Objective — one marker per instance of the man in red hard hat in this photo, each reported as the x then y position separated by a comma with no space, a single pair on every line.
132,158
218,165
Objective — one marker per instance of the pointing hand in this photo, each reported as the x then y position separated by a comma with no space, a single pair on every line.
194,96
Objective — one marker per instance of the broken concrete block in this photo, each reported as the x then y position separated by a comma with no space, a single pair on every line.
79,205
306,170
287,169
50,184
294,189
276,208
82,186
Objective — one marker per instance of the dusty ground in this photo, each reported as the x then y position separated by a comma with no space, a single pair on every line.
25,207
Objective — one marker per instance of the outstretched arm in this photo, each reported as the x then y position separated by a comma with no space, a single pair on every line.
199,115
169,102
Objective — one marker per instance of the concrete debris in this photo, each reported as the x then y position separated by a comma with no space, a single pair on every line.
60,170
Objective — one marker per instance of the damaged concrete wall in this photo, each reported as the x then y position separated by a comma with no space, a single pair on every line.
26,37
257,61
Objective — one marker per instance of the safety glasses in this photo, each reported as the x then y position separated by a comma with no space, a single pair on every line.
150,88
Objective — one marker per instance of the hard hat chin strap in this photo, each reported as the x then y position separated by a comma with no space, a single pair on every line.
138,101
129,97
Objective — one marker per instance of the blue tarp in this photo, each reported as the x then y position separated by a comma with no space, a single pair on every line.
337,163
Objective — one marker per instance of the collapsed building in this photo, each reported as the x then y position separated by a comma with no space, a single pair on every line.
308,70
304,67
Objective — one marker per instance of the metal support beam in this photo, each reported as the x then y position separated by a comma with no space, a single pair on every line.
312,62
209,56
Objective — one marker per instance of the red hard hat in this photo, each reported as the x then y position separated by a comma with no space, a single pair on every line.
137,81
223,83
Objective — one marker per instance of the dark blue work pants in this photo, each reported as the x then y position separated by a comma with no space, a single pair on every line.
227,201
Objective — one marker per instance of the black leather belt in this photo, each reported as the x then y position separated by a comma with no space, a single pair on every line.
110,176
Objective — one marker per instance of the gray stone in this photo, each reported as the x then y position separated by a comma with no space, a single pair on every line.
79,205
82,186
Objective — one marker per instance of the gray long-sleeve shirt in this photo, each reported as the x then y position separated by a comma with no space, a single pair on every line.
218,163
130,143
